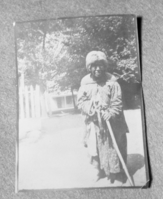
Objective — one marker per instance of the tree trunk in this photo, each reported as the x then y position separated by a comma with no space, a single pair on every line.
73,99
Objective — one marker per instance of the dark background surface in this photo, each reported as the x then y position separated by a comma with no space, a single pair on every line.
151,13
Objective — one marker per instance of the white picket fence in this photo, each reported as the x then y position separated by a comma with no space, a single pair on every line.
32,103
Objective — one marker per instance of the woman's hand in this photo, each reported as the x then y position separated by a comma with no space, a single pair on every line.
106,115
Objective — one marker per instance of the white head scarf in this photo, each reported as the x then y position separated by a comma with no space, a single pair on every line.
94,56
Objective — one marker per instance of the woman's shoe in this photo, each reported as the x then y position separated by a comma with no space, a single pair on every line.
112,177
101,174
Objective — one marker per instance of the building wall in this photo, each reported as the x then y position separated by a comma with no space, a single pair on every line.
61,102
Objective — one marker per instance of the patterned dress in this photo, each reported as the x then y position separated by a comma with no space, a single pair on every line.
106,96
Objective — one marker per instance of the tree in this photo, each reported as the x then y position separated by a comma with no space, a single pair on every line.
54,51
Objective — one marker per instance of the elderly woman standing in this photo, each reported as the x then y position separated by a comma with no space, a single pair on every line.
99,99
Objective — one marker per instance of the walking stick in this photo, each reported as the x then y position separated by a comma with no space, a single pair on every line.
119,153
115,144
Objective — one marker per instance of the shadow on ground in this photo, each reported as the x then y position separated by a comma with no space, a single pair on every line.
134,163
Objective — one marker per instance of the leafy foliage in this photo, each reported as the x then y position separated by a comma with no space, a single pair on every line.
52,53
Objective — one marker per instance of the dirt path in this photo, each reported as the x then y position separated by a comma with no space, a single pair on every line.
56,158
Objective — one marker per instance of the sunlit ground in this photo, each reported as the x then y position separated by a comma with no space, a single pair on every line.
52,156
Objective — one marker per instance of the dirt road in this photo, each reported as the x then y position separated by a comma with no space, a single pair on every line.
53,156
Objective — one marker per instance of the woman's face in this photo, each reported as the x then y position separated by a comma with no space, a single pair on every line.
98,70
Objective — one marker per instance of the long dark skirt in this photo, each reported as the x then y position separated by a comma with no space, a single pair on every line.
108,158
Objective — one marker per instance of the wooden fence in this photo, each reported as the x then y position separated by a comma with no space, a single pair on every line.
33,103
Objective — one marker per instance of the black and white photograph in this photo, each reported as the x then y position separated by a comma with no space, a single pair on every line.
81,115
